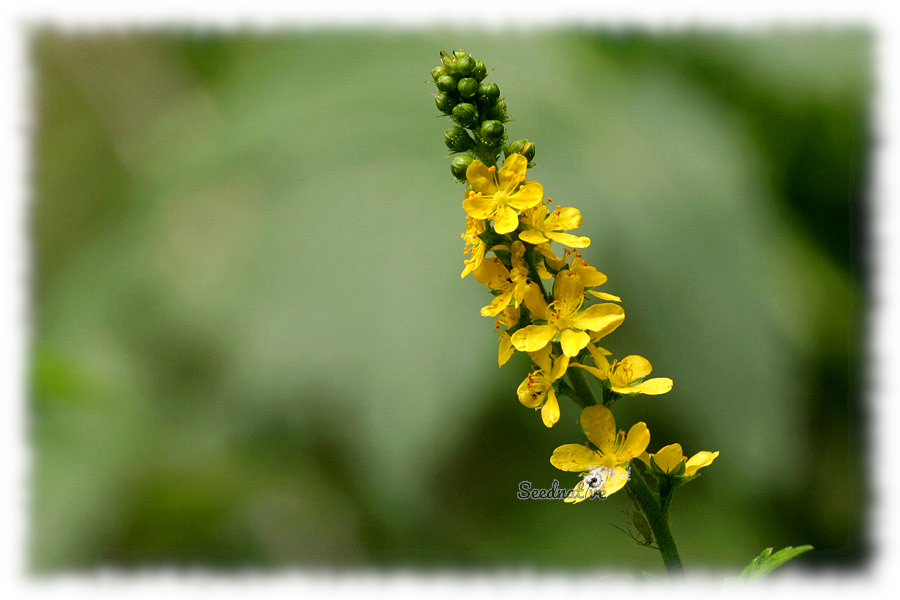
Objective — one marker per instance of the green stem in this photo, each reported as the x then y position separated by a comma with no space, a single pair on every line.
582,389
658,518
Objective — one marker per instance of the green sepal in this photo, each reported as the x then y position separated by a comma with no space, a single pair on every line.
458,140
491,238
767,562
504,255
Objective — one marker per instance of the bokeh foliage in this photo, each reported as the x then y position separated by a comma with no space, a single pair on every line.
251,345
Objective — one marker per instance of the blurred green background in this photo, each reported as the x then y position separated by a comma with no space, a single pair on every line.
251,345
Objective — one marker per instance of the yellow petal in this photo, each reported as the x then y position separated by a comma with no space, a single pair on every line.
481,178
567,239
669,457
579,493
505,220
574,458
542,358
651,387
565,217
601,318
491,273
599,355
568,287
506,350
497,305
617,480
532,236
573,341
478,206
560,365
601,375
535,302
636,442
605,296
550,410
590,276
533,337
698,461
527,196
599,426
637,365
511,173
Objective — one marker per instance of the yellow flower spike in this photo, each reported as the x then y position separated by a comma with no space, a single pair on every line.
473,244
565,318
499,193
542,226
511,284
537,389
671,457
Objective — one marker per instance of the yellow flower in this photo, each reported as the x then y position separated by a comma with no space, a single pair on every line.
564,318
537,389
474,245
590,276
627,375
511,284
542,226
614,451
670,459
498,193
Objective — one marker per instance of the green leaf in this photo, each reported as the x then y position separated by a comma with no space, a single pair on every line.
767,562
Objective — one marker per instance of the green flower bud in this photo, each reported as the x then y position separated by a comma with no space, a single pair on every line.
447,59
438,72
497,112
488,93
467,87
458,140
459,164
492,132
480,71
460,53
465,114
445,103
523,147
446,83
464,65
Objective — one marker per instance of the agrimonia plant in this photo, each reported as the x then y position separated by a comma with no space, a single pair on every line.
551,307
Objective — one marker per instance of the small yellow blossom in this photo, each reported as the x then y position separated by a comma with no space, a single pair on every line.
537,389
474,245
564,320
614,449
499,193
511,284
627,375
670,458
542,226
590,276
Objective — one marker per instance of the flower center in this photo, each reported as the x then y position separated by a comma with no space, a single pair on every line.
501,198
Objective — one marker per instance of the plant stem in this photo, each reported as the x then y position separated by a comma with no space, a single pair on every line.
658,518
582,389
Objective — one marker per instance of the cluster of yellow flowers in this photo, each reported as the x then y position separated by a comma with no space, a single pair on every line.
508,216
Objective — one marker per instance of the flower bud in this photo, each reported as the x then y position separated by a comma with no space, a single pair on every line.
523,147
447,59
464,65
460,53
465,114
497,112
445,103
492,132
458,140
467,87
438,72
446,83
480,71
488,93
459,164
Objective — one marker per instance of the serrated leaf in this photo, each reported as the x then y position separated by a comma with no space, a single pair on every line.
767,562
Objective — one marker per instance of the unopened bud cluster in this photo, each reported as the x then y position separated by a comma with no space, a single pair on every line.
478,111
